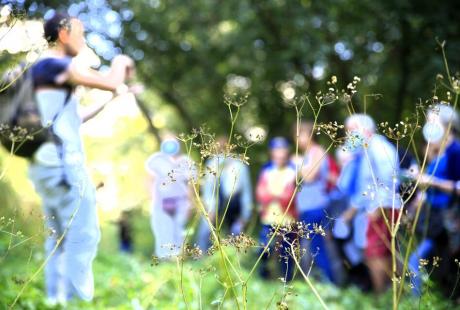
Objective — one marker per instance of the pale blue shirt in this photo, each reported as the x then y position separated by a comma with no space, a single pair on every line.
232,177
375,177
69,153
313,195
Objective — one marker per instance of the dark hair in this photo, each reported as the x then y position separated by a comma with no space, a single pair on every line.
54,24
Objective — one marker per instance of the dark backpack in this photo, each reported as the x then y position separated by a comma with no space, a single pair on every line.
21,129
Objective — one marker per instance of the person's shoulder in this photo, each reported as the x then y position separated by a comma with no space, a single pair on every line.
378,139
48,61
454,148
153,155
268,166
151,160
50,70
185,158
264,171
291,165
220,157
318,150
452,153
185,161
186,166
380,144
239,162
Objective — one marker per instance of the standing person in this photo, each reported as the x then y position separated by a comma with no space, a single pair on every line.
370,186
274,192
125,231
350,237
437,223
312,198
229,182
58,167
170,172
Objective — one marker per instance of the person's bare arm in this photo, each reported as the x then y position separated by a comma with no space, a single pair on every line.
91,111
85,76
446,186
121,69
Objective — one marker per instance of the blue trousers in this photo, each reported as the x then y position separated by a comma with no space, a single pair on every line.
316,246
286,260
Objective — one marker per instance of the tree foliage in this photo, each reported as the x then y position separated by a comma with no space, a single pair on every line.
190,53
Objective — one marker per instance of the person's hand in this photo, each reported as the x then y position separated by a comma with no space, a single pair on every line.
348,215
374,215
414,170
130,72
297,160
425,180
136,89
123,60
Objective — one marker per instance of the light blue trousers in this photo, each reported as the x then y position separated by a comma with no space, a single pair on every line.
71,218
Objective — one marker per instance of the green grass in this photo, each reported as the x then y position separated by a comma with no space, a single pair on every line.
133,282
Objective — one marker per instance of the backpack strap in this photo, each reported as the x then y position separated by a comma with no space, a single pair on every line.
55,138
25,78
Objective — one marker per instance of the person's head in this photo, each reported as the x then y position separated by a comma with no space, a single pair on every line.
305,137
359,128
361,124
221,143
279,151
66,32
170,145
439,120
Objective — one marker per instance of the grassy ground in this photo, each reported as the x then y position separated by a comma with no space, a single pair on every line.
133,282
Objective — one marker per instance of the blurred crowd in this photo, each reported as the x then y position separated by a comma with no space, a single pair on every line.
343,218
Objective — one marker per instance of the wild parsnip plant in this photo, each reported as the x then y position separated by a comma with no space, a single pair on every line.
402,133
236,282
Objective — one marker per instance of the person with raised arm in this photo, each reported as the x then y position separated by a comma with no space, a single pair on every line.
57,168
438,223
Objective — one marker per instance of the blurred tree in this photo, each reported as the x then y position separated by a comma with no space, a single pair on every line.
193,52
